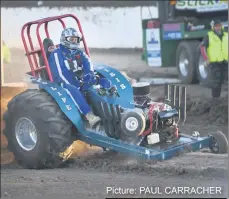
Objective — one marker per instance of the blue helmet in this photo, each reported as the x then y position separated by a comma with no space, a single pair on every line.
70,38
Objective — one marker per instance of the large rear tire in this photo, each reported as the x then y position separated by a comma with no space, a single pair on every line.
37,130
186,61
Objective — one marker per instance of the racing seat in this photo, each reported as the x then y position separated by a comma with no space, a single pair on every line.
46,43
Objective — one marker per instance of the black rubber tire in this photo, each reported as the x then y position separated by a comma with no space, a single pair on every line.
203,81
126,134
54,130
222,142
190,48
141,88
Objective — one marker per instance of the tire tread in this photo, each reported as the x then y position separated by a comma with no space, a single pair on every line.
59,127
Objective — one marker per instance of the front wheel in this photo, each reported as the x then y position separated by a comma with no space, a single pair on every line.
219,143
37,130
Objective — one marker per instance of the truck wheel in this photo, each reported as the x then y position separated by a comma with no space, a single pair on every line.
220,143
202,71
186,61
37,130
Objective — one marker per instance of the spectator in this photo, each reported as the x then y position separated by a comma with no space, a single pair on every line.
5,53
214,49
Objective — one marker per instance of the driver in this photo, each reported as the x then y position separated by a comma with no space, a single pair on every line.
73,69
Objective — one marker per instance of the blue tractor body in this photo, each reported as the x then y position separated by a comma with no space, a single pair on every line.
125,100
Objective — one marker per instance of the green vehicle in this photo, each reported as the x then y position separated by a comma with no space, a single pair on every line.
174,38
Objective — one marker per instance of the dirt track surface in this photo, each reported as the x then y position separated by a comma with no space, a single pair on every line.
88,177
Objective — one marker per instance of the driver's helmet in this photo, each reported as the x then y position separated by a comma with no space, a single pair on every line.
70,38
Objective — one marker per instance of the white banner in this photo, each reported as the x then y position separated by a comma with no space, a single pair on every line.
153,47
202,5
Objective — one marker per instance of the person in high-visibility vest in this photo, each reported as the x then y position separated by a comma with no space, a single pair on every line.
214,49
5,53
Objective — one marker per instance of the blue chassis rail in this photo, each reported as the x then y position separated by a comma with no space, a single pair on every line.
188,143
185,143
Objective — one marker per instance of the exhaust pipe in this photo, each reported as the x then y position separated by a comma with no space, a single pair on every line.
175,96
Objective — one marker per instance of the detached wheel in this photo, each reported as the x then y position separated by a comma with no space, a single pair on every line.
37,130
132,124
220,143
186,61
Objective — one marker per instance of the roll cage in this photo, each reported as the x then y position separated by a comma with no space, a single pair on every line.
31,52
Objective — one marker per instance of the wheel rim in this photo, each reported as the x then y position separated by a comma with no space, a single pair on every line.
131,124
26,134
183,64
202,69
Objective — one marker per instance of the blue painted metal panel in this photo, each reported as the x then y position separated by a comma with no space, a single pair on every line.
63,100
125,90
143,152
123,85
168,114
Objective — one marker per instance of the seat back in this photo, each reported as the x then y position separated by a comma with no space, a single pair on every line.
47,43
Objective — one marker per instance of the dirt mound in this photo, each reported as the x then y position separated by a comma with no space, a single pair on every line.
213,111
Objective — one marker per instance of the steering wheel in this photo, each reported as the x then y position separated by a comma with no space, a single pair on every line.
109,92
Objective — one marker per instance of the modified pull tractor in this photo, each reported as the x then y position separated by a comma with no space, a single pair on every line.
41,124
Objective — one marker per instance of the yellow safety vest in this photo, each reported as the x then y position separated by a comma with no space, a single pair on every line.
5,54
218,49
